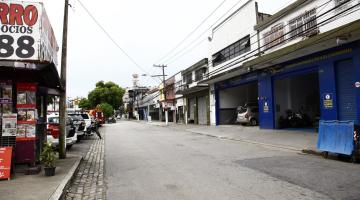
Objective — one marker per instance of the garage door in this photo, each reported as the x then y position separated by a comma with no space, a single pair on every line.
202,110
346,92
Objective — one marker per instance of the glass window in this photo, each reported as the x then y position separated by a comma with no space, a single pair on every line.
303,25
240,47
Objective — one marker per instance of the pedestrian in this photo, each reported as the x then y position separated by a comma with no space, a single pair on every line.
97,129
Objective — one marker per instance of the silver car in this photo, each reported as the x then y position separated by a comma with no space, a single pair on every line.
247,115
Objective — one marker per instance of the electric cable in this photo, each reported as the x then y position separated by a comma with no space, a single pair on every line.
113,40
236,61
173,58
192,32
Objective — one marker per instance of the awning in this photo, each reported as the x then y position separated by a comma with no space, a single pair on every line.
45,75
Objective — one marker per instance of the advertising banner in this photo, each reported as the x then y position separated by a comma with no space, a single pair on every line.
20,30
5,162
26,33
9,124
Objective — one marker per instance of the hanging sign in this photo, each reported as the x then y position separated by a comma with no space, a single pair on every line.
5,162
328,101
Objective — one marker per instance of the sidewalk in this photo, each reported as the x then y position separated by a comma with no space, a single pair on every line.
296,140
40,187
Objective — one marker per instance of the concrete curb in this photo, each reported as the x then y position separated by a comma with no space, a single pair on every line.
58,194
304,151
248,141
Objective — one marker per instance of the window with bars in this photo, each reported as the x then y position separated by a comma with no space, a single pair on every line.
341,4
274,37
236,49
199,74
303,25
188,78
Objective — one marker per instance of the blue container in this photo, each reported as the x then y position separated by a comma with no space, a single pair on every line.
336,137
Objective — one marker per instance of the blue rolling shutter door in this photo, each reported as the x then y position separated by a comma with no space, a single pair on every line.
346,92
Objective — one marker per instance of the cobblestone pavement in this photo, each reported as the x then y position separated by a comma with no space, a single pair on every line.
88,183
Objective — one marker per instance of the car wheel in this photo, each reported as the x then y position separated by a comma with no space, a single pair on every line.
68,146
253,122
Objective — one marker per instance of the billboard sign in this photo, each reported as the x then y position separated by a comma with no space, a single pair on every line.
25,34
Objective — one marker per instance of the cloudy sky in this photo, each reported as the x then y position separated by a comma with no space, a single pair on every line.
146,30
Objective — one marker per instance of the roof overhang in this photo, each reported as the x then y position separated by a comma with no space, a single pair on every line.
44,74
198,88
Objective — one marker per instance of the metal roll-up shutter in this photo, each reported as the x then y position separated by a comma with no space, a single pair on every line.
346,92
202,111
192,103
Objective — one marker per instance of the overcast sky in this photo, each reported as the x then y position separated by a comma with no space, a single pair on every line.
146,30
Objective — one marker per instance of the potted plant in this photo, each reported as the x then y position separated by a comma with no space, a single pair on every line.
47,157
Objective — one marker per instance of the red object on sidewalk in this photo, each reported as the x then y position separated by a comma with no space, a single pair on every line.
5,162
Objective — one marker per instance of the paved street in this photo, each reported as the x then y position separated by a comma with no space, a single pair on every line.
151,162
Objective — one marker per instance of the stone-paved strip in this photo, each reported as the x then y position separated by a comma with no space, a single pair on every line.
89,180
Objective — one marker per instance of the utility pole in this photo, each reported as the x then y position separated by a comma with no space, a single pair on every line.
164,91
62,106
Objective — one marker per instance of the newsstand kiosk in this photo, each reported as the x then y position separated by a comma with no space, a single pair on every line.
28,74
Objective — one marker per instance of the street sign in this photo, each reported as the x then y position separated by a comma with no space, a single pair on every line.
5,162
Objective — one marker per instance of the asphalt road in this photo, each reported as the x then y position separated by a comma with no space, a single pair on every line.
147,162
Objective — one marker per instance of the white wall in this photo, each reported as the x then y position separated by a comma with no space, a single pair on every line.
233,29
238,96
321,9
212,105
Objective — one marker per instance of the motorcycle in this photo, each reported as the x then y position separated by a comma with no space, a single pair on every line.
294,120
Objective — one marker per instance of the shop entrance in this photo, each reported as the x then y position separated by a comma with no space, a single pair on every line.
231,99
297,101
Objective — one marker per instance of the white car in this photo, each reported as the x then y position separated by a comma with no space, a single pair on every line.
53,131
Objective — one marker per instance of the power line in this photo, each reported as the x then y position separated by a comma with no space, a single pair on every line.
321,23
168,61
112,39
173,58
192,32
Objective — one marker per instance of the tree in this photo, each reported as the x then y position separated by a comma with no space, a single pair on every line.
108,92
107,109
85,104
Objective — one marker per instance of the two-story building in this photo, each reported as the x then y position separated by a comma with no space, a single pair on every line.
304,59
195,94
309,62
233,42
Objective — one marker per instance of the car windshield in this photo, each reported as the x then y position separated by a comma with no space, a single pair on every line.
241,109
85,116
53,120
76,117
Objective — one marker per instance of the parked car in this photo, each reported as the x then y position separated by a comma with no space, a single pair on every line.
248,114
87,119
53,131
80,125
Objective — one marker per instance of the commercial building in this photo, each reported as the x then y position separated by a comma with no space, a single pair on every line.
303,59
195,95
28,75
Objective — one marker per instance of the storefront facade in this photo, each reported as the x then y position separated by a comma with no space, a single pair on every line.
326,88
28,75
307,65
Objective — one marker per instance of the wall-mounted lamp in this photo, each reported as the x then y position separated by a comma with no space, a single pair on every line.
342,39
